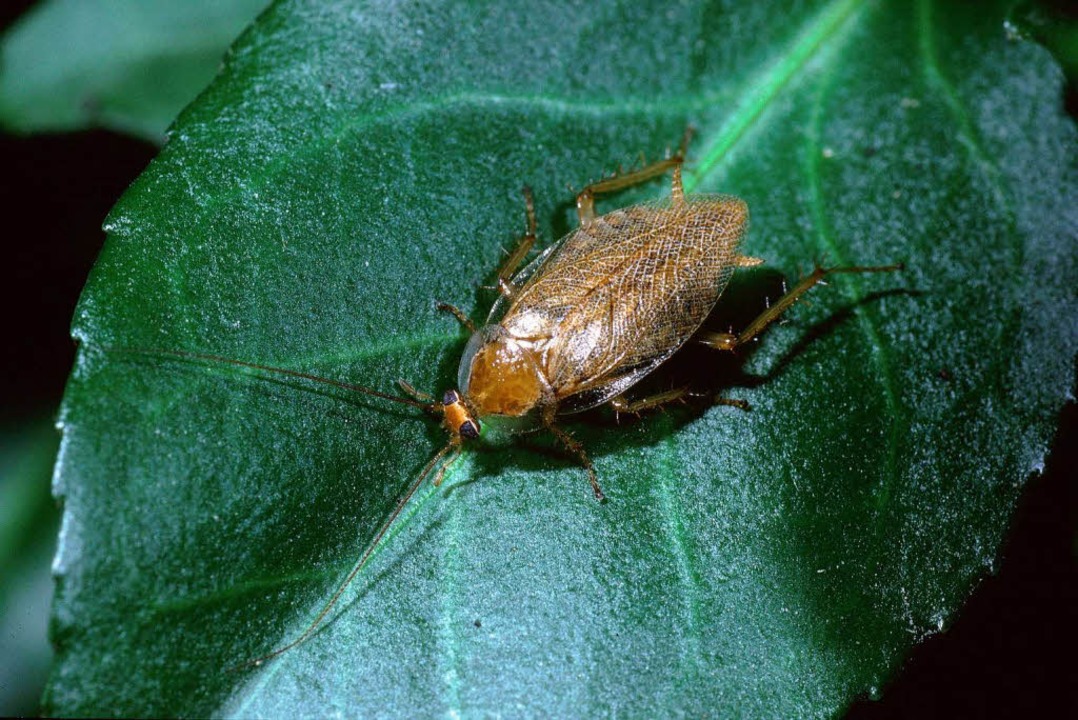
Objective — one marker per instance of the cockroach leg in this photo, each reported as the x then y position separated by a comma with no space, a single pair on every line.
417,394
447,464
729,341
509,267
459,315
746,261
585,199
677,191
717,340
732,402
576,448
622,404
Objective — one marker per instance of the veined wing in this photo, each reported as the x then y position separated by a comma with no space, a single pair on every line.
616,298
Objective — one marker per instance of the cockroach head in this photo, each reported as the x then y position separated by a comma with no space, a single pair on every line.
459,419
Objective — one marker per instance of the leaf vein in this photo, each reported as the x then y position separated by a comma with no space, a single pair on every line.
768,84
880,354
686,576
966,134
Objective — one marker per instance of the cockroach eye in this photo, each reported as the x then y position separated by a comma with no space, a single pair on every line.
450,397
469,430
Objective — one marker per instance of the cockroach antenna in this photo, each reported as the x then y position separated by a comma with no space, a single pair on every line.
314,624
452,448
428,406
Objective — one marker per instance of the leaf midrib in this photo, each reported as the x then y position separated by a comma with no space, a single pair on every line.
820,32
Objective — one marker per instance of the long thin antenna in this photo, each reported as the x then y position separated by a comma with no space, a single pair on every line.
359,565
282,371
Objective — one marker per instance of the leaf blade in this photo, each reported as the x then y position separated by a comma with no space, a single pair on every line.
799,537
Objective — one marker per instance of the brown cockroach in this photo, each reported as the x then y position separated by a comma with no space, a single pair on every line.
583,323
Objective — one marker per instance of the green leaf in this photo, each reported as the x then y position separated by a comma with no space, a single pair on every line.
127,65
28,525
352,164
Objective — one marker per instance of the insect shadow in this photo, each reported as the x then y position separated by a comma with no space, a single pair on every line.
707,373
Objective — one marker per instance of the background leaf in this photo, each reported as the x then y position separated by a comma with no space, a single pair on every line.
347,168
28,526
128,65
1053,24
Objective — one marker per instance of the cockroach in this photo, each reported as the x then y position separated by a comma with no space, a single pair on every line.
581,324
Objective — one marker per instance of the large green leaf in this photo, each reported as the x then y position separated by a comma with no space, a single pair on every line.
129,65
353,164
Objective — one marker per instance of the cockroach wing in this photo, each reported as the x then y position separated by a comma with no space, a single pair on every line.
614,299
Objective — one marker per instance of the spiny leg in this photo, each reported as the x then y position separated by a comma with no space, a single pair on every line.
577,449
459,315
417,394
729,341
585,199
454,454
509,267
622,404
732,402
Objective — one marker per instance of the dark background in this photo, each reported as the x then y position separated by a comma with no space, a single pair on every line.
1011,652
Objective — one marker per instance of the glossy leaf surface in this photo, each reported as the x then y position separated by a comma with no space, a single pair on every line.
351,165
